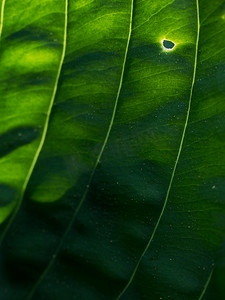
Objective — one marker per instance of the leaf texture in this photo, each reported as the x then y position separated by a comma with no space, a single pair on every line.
112,149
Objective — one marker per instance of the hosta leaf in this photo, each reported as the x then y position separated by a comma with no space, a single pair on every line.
112,149
216,286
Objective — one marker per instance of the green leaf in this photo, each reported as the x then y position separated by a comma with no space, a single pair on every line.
112,149
216,285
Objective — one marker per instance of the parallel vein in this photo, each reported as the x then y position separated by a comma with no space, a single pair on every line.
206,285
95,166
2,17
45,129
177,159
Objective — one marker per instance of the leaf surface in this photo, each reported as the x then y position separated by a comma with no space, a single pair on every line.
112,152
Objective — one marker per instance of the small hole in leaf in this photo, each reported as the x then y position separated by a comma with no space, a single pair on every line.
168,45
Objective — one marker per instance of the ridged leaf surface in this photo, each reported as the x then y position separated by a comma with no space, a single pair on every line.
112,149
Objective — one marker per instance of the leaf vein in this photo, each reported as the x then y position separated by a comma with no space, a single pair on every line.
44,133
2,17
52,260
177,159
206,285
154,14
